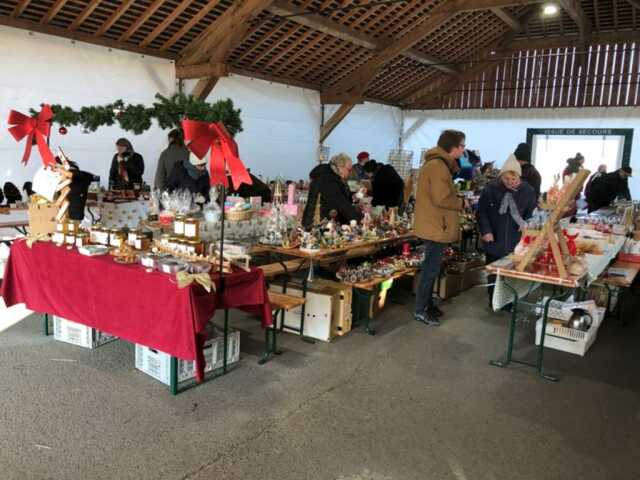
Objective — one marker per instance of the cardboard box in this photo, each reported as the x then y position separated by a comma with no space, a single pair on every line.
450,285
472,277
78,334
157,364
327,310
42,218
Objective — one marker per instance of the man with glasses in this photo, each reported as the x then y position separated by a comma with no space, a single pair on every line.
437,216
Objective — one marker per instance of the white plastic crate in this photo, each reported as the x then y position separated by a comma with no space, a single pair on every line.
566,339
78,334
157,364
563,310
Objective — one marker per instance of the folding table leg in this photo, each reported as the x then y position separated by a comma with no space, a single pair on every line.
226,338
45,325
173,376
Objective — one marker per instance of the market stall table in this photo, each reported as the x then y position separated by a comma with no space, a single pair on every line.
328,256
626,273
127,301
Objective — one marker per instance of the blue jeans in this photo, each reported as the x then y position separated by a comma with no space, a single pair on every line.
433,252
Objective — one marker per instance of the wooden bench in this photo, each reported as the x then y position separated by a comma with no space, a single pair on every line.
280,303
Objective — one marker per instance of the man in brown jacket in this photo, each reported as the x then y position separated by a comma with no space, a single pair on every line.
436,216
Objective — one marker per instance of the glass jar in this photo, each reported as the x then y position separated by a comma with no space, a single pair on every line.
82,239
178,225
61,227
94,233
58,238
116,238
192,228
165,239
141,242
73,226
132,236
70,239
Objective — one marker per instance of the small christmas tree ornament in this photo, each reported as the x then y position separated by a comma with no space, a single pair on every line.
62,130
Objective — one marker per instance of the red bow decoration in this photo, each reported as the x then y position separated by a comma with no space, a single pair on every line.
38,128
224,151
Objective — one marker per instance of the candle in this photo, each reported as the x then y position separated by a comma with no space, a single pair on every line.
291,194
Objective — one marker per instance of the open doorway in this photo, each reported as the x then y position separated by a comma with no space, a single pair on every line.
550,149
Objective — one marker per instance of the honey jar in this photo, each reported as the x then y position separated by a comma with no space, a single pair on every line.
82,239
61,227
141,242
58,238
70,239
116,238
192,228
178,225
132,236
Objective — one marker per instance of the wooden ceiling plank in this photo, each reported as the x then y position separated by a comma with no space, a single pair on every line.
290,62
53,11
49,29
141,20
218,39
275,28
634,3
86,13
291,46
275,44
427,94
20,7
190,24
212,69
115,16
175,13
330,27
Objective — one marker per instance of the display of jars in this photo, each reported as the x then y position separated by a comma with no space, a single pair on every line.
192,228
141,242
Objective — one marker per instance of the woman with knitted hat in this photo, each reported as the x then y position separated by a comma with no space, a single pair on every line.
505,204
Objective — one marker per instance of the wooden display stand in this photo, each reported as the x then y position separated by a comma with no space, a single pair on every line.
552,231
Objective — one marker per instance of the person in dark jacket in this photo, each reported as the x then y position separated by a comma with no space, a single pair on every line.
175,153
505,204
11,193
602,169
191,175
328,182
257,189
605,189
127,167
387,185
530,173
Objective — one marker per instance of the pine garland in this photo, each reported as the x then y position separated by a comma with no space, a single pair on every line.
168,113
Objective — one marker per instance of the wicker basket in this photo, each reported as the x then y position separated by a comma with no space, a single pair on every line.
237,216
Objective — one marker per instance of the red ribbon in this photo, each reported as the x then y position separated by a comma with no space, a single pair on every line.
224,151
38,128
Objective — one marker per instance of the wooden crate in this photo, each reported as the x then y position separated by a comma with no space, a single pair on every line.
42,218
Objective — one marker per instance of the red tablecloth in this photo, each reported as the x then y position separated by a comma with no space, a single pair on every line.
125,300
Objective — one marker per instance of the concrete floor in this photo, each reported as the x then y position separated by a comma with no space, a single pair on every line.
413,402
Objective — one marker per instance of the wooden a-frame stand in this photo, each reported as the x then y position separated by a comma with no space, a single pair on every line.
552,232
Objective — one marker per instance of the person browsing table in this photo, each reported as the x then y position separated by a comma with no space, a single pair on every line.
127,167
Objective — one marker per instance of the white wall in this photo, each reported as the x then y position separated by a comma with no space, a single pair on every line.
496,133
281,124
40,68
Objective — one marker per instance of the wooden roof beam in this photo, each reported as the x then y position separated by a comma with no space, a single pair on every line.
507,18
53,11
219,38
86,13
204,87
334,121
634,3
115,16
213,69
335,29
574,9
20,7
141,19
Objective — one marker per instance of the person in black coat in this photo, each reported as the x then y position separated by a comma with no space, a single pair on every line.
127,167
191,175
505,204
606,188
328,182
530,173
387,185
